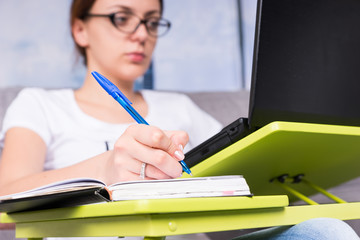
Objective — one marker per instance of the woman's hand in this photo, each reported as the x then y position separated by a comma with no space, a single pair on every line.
160,150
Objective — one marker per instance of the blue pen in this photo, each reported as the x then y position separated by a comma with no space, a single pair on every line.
115,92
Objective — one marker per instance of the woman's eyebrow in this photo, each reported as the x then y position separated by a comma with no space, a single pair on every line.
120,7
130,10
150,13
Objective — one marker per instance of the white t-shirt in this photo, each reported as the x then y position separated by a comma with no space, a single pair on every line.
72,136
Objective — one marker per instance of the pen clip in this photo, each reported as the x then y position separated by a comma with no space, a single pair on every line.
109,87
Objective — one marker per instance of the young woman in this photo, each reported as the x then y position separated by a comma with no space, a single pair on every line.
50,135
60,134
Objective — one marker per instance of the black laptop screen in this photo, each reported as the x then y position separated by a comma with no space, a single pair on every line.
306,62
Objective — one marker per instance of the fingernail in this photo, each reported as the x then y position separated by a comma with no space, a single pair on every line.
180,175
181,147
179,155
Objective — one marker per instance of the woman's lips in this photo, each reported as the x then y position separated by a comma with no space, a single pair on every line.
136,56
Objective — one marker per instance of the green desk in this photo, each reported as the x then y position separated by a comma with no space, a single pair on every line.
326,155
158,218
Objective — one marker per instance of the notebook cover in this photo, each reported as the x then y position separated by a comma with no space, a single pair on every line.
58,200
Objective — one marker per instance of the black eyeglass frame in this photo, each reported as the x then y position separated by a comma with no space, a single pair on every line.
111,16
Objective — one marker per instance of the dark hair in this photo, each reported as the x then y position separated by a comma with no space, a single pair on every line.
79,9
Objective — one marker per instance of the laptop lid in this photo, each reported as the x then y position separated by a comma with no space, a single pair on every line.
305,69
306,62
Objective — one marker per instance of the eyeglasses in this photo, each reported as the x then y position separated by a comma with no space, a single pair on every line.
129,23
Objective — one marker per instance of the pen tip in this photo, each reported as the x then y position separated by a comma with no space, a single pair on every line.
191,174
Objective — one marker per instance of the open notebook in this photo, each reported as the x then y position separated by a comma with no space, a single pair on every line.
305,69
81,191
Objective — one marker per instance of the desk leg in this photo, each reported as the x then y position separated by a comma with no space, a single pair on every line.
154,238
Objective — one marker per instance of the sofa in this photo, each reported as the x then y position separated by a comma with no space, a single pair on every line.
226,107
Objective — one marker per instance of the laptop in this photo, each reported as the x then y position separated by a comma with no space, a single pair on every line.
306,68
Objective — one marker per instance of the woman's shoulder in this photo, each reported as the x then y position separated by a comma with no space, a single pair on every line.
43,95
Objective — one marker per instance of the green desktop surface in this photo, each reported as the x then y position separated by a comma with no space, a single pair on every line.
327,155
153,218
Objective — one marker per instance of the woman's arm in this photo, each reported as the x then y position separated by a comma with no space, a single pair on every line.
23,155
23,158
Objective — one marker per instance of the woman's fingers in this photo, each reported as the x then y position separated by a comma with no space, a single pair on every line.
154,137
160,164
180,139
171,142
148,144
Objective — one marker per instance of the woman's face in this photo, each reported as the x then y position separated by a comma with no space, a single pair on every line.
119,55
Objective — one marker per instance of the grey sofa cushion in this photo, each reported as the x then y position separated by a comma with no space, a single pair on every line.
224,106
6,97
